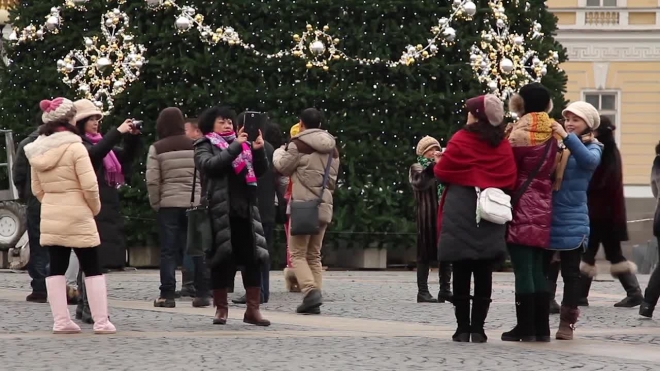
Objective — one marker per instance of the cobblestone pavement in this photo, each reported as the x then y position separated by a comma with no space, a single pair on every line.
369,322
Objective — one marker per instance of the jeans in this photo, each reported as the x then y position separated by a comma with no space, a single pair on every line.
39,258
570,273
173,229
528,268
72,271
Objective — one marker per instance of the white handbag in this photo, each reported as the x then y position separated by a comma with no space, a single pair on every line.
493,205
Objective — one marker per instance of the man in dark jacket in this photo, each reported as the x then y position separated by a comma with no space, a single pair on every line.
266,205
39,258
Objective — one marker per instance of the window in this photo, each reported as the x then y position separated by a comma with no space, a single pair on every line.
607,105
601,3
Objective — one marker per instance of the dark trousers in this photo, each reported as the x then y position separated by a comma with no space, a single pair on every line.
87,257
570,273
528,267
243,254
201,276
482,270
652,292
611,245
173,229
39,258
265,268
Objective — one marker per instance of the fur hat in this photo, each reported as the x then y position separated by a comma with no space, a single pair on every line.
85,108
486,107
425,144
58,109
585,111
532,97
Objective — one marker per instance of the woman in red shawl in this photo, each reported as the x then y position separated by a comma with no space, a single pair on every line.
477,156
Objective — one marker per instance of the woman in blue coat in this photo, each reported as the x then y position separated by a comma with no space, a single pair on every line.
579,157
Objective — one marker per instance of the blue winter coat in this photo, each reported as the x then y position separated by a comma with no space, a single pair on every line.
570,214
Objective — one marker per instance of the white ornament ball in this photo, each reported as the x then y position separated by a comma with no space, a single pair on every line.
544,71
52,22
118,84
506,65
483,65
108,22
457,2
69,67
40,33
116,11
488,37
153,2
54,11
536,61
60,63
492,86
450,34
183,23
518,40
470,8
499,23
84,88
103,62
317,47
473,57
98,104
88,42
138,63
443,21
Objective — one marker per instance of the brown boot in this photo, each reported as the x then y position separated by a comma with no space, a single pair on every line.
221,306
252,313
567,319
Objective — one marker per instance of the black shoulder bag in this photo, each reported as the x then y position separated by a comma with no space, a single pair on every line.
304,218
521,191
200,234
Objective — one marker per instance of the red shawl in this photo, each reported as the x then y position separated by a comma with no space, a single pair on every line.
470,161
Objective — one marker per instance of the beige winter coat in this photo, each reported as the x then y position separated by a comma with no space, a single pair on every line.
304,160
63,179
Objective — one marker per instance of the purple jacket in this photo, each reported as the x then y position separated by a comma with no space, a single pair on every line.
532,215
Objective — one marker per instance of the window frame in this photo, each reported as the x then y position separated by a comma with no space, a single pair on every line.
600,4
616,112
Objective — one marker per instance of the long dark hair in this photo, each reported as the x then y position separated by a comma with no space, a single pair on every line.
493,135
53,127
610,161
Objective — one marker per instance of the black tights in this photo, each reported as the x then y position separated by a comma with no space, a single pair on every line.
87,257
483,278
570,273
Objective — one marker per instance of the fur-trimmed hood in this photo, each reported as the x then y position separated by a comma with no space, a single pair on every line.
46,151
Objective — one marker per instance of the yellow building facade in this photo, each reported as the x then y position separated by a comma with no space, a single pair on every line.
614,63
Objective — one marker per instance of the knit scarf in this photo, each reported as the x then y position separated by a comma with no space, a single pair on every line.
242,161
113,171
562,159
425,162
532,129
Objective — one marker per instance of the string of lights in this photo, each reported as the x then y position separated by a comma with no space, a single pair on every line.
315,46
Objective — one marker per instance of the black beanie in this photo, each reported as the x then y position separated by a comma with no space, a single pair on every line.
536,97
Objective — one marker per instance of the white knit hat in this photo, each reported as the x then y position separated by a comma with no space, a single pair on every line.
58,109
425,144
585,111
85,108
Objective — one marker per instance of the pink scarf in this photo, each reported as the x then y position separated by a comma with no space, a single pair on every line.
244,160
113,172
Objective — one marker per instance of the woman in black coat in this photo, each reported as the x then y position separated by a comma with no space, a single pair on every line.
652,292
229,166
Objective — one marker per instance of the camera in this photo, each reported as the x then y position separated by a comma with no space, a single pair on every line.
136,125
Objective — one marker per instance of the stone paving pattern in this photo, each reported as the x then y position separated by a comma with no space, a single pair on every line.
370,322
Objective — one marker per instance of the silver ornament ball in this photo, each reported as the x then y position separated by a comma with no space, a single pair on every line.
470,8
492,86
52,22
506,65
317,47
499,23
518,40
183,23
450,34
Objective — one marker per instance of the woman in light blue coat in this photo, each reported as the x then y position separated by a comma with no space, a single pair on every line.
569,234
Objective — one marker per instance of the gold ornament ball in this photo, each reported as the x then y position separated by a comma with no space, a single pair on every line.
90,73
336,41
425,54
419,47
232,42
309,65
326,28
309,27
336,57
93,58
215,38
325,68
411,61
492,56
199,18
296,37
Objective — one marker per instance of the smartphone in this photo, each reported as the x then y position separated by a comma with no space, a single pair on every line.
252,124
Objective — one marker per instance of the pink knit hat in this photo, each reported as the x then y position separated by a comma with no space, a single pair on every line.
58,109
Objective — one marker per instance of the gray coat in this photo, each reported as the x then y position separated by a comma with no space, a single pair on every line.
460,237
213,165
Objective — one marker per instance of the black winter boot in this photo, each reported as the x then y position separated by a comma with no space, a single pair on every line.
462,312
585,287
423,294
444,274
525,328
542,316
646,309
480,308
631,285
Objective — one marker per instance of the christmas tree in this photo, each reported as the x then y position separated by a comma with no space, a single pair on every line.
384,73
